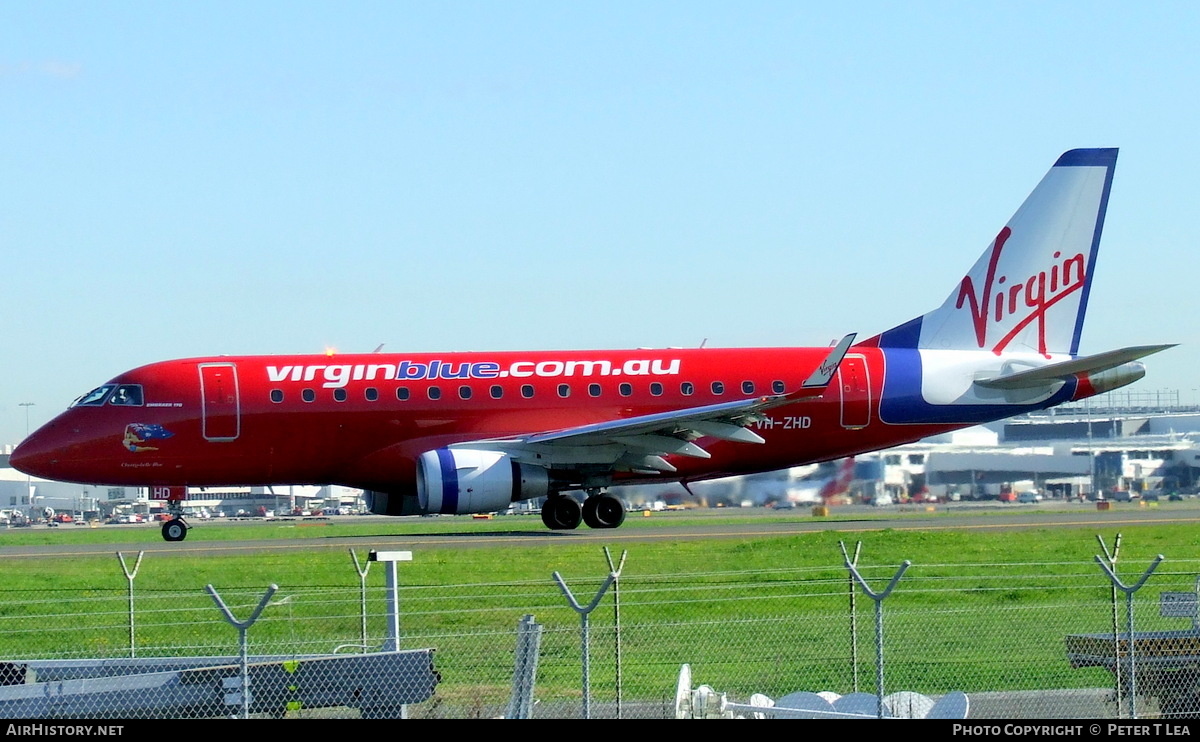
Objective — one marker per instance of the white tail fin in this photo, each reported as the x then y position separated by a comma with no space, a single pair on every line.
1006,339
1028,292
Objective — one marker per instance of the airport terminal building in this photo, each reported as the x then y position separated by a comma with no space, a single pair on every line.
1118,446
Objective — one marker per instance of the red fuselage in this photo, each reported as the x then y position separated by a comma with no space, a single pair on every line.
362,420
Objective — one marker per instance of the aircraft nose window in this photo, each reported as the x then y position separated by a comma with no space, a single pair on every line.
94,397
129,395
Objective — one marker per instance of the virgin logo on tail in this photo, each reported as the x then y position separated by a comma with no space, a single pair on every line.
1003,300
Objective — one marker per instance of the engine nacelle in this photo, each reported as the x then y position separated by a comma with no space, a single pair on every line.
390,503
458,481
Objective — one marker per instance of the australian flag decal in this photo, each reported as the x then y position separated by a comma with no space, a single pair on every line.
138,434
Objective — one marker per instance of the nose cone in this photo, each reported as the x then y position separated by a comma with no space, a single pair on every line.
36,455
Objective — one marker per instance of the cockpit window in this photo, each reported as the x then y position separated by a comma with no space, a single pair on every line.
94,397
129,395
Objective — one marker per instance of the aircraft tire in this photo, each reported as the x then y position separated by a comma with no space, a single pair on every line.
603,511
174,530
561,513
590,519
610,511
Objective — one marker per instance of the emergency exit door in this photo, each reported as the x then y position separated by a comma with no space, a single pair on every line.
854,385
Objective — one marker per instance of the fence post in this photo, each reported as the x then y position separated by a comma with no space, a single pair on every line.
242,626
878,598
1129,591
129,577
1112,560
583,619
616,570
529,640
853,612
362,597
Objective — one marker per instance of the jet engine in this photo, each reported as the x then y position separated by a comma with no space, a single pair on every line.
459,481
456,481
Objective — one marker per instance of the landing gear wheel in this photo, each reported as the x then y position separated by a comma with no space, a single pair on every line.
174,530
561,513
603,511
610,511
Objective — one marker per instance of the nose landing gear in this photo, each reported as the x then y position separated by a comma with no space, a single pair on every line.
175,529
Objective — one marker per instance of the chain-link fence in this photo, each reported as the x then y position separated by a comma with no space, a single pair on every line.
1026,640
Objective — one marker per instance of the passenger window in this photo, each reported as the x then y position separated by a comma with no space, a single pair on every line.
594,390
656,388
371,394
434,392
464,392
308,395
127,395
625,389
564,390
687,388
747,387
527,391
718,387
777,387
339,395
277,395
497,391
402,393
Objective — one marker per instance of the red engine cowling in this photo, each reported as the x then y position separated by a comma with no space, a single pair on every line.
457,481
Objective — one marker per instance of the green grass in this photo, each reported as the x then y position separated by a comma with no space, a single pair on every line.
977,609
519,563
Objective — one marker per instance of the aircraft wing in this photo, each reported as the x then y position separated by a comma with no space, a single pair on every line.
639,443
1063,371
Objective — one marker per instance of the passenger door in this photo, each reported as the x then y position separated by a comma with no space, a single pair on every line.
219,400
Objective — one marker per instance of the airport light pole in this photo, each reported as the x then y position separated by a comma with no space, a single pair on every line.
28,478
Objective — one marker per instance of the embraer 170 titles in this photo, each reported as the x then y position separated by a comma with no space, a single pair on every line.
461,433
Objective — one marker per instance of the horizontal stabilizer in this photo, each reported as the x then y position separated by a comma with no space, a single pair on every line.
1065,370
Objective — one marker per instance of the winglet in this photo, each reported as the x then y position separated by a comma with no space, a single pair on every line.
824,373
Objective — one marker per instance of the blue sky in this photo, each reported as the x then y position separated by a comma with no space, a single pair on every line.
188,179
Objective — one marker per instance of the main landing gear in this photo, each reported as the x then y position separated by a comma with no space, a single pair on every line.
175,529
599,510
